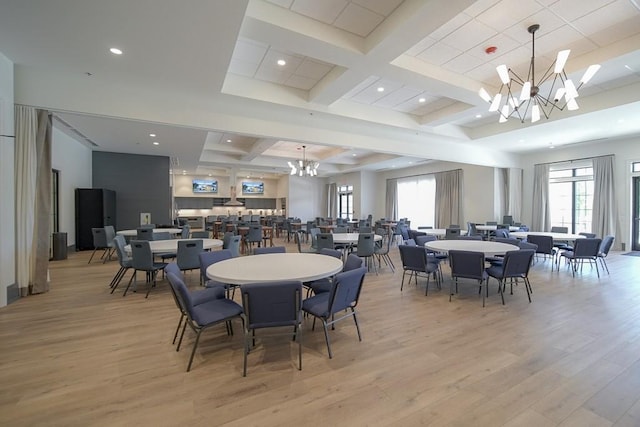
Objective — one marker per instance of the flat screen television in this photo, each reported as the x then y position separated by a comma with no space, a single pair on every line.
205,186
252,187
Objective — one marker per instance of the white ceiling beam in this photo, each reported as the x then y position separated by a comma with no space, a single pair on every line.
262,145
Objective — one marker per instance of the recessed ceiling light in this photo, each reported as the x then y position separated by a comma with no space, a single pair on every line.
380,89
620,120
478,116
152,135
184,172
521,140
156,143
228,140
410,163
115,51
628,68
354,154
422,100
209,174
282,62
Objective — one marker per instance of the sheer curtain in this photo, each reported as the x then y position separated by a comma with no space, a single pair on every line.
500,205
391,201
416,199
332,197
603,216
33,198
449,202
541,215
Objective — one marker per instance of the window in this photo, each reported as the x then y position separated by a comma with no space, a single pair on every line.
635,167
345,201
571,198
417,199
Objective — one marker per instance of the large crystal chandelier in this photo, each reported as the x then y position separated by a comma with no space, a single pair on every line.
304,167
520,97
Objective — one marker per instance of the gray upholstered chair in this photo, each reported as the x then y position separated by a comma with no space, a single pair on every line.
367,249
142,260
515,266
188,255
467,265
270,250
99,242
415,262
124,260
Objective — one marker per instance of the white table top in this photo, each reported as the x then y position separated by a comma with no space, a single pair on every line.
134,233
274,268
440,232
351,238
494,228
163,246
489,248
555,236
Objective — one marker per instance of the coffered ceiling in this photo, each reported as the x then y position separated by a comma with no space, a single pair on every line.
365,84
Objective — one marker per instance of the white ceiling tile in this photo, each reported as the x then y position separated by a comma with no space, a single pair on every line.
313,69
398,96
436,105
414,103
273,55
272,75
484,73
547,3
325,11
606,17
282,3
463,63
381,7
439,53
243,68
446,29
300,82
570,10
620,31
419,47
503,43
479,6
358,20
565,37
370,94
469,35
249,50
361,86
507,13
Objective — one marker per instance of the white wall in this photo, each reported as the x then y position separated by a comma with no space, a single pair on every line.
369,193
73,160
478,188
305,197
7,183
625,150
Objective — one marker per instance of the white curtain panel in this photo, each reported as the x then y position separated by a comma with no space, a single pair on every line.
502,190
391,201
514,200
449,193
541,212
26,170
603,215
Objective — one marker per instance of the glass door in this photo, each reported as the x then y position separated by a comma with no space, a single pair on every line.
635,214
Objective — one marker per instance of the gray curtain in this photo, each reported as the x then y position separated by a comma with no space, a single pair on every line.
449,202
42,226
541,215
332,197
391,202
603,216
502,192
514,199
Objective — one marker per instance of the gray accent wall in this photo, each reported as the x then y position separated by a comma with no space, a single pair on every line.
141,184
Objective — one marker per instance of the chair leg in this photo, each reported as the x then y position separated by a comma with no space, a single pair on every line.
603,262
184,328
298,337
402,283
326,337
193,352
527,286
116,277
175,336
92,254
115,285
501,285
355,320
133,277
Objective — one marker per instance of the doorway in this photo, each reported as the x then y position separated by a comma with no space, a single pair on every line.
635,214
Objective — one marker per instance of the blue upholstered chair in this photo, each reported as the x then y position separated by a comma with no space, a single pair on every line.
467,265
142,260
515,266
415,262
270,250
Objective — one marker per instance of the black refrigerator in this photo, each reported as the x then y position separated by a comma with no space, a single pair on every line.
95,207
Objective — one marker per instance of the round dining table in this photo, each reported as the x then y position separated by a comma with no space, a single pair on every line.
554,236
439,232
134,232
351,238
276,267
171,245
488,248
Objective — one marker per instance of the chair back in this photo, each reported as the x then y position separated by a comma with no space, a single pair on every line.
173,268
331,252
517,263
254,234
226,239
353,262
110,233
209,258
452,233
471,229
560,229
270,250
467,264
234,246
502,233
143,233
404,230
492,222
507,240
345,291
589,235
269,305
475,237
605,246
587,248
340,229
141,256
365,229
527,245
314,237
200,234
324,240
507,219
366,244
545,243
414,258
188,254
124,259
185,232
410,242
421,240
181,294
99,238
162,235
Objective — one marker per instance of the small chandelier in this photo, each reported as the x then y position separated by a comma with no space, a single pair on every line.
304,167
518,96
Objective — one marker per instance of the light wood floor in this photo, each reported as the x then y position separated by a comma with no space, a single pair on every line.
81,356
